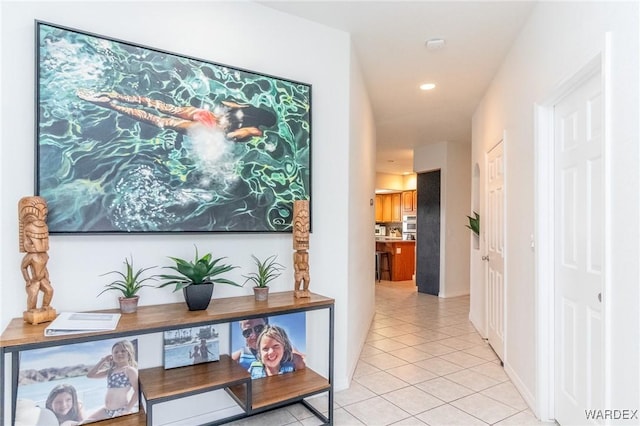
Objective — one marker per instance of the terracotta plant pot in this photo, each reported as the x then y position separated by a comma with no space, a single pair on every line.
129,305
261,293
198,296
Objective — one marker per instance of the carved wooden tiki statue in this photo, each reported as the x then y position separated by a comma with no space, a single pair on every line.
301,245
34,240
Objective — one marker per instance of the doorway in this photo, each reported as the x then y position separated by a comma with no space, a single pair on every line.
428,233
571,175
495,254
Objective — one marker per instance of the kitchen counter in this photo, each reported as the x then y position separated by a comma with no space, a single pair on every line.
402,254
393,240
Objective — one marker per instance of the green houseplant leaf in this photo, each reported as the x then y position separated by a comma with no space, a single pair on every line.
131,282
268,270
201,270
474,223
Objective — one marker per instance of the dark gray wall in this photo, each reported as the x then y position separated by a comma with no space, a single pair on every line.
428,236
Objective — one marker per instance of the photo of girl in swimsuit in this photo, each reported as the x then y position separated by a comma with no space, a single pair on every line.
61,380
121,371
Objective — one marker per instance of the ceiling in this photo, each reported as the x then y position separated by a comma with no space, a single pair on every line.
389,40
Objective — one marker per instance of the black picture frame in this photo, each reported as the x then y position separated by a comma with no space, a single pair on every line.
132,139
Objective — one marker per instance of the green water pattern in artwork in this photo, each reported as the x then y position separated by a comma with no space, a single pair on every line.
103,171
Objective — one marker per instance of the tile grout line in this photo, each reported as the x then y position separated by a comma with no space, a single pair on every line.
386,313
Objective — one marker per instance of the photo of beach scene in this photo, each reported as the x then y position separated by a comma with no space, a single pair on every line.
188,346
78,383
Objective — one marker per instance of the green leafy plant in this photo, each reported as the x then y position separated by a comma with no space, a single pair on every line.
131,281
202,270
474,223
268,270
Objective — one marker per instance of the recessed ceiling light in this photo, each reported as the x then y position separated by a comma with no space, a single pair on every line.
427,86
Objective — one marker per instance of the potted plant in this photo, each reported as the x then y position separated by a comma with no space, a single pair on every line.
268,270
129,286
196,279
474,223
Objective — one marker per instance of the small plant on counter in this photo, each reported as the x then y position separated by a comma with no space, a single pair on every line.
131,282
202,270
268,270
129,286
474,223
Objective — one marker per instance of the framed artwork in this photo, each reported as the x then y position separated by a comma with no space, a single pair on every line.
82,382
133,139
272,345
188,346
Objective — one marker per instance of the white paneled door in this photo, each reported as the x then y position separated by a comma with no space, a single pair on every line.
579,257
495,248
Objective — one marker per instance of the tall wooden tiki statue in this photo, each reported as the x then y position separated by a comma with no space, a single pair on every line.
34,241
301,247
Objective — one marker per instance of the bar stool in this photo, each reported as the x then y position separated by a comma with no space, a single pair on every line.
382,264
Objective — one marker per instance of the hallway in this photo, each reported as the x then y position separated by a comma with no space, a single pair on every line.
423,364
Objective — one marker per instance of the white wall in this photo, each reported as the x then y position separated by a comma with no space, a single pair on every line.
242,34
389,181
455,192
395,182
558,40
362,158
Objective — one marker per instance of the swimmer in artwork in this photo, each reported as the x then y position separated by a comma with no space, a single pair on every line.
239,122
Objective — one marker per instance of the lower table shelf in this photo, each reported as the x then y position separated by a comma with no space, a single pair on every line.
158,385
283,389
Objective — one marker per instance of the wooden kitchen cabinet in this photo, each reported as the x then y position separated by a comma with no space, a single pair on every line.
409,202
389,207
386,208
378,208
396,207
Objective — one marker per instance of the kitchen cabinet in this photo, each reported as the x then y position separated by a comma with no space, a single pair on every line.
386,208
389,207
378,208
409,202
402,256
396,207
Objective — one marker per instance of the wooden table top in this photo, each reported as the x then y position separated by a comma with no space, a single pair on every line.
154,318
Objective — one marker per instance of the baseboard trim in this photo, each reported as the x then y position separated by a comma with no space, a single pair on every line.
526,394
480,331
446,295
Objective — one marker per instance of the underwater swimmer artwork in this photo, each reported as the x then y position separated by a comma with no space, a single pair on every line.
132,139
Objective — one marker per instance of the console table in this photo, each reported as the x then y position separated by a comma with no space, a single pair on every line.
159,385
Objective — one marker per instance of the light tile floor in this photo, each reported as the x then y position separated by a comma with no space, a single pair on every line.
423,363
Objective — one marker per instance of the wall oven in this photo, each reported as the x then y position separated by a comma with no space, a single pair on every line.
409,224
